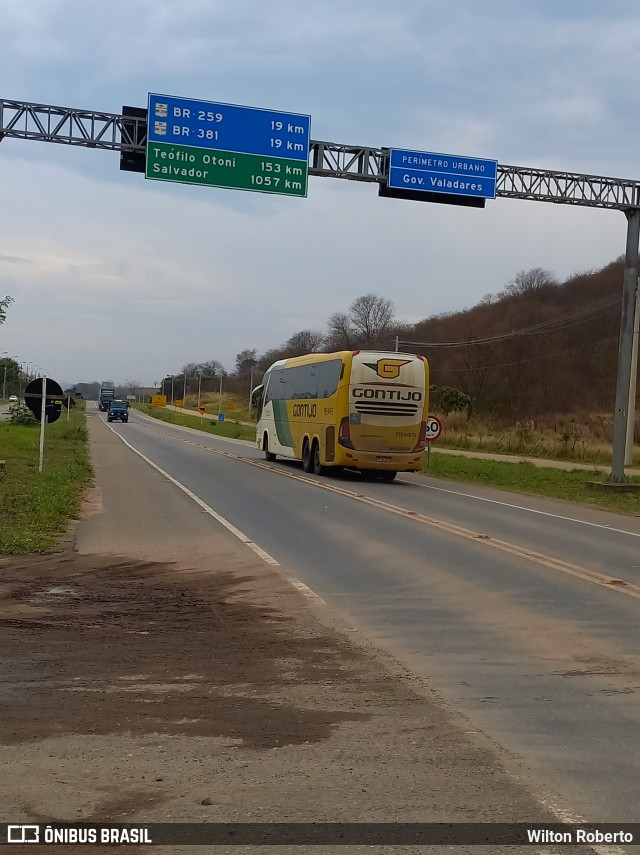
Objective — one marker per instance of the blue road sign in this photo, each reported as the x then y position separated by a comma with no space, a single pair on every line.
228,127
431,172
221,417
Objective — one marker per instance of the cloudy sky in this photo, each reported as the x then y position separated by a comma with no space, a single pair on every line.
115,276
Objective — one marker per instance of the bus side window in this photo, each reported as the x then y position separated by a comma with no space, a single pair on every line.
257,398
275,387
328,377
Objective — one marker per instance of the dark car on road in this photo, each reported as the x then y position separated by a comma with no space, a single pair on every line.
118,411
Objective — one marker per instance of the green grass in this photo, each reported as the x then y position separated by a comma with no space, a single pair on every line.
35,509
228,428
567,485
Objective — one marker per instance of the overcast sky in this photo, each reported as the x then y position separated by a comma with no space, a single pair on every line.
119,277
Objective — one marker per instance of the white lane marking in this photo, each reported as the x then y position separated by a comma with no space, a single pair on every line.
575,819
579,572
522,508
439,489
205,507
153,421
562,814
306,591
303,589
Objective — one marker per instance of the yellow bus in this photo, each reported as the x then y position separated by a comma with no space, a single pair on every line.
361,410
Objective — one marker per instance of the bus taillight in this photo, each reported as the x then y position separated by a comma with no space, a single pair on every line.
422,438
343,434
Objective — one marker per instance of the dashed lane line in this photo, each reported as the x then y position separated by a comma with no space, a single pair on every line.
614,584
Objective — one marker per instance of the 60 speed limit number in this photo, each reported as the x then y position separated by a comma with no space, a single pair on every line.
434,428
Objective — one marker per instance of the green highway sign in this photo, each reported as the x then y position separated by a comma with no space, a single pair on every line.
170,162
224,145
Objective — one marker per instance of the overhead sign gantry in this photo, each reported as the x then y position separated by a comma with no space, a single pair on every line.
128,134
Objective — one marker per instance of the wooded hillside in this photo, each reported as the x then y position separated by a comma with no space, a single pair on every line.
539,347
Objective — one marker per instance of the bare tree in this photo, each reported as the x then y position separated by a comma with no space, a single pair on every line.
245,361
212,368
340,333
269,357
305,341
529,282
189,369
372,318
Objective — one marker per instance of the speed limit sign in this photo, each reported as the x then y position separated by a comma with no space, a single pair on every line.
434,428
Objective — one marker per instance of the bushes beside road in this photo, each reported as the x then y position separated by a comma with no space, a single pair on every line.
228,428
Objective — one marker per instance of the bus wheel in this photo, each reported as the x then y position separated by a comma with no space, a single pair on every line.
268,455
318,468
388,476
307,458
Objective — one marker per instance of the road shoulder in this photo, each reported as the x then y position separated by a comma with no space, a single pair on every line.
156,669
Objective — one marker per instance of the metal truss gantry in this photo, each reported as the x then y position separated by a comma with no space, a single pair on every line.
115,132
128,134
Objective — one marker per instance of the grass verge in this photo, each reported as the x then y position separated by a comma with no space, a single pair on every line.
35,509
567,485
228,429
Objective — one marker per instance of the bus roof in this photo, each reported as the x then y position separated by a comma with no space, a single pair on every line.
345,355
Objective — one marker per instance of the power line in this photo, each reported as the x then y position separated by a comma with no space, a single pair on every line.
523,361
570,319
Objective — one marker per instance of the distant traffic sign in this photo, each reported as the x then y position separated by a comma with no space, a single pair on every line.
202,410
220,417
430,172
178,404
158,400
225,145
434,428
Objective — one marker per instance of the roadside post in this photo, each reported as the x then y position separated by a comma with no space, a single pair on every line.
202,410
250,390
434,429
43,418
43,396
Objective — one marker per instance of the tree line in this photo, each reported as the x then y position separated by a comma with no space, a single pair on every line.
536,347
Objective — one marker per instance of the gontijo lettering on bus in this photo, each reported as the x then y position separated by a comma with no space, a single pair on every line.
360,410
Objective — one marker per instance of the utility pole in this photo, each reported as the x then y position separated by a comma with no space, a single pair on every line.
184,388
199,387
631,419
250,390
625,350
4,383
172,390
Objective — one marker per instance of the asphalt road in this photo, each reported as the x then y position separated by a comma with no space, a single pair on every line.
523,613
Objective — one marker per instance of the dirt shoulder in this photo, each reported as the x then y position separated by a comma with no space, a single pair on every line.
190,682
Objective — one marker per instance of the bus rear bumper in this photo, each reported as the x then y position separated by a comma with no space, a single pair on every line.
379,461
